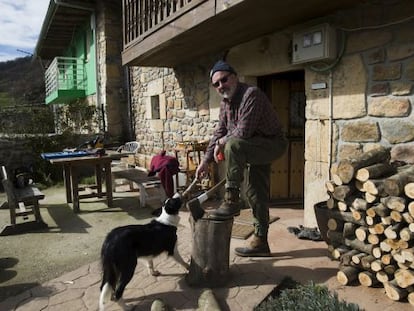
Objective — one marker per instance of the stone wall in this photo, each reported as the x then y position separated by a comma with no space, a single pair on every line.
184,107
370,101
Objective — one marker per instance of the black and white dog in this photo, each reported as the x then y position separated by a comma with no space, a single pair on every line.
124,245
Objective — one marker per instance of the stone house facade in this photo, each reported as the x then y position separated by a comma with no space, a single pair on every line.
361,99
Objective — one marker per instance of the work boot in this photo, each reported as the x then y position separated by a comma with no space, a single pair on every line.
230,205
258,247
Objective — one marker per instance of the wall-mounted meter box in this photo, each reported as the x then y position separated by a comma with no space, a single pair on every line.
317,43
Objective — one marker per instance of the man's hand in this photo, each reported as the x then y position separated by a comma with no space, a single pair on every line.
218,153
201,170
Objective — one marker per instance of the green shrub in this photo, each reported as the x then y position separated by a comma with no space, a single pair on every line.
309,297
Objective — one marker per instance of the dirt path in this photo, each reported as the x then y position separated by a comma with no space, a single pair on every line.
72,240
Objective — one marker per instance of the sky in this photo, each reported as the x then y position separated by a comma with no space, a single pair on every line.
20,25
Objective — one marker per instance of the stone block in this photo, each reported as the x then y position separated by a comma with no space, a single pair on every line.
385,106
400,51
361,131
397,131
386,72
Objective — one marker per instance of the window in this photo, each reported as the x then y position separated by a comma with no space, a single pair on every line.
155,107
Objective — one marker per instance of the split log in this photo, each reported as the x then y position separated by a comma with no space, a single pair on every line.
379,209
347,275
408,254
386,274
394,203
386,220
392,231
346,258
385,246
395,184
377,252
410,208
373,239
404,244
330,186
394,292
347,217
372,220
398,257
406,234
357,215
404,265
366,261
396,216
407,217
339,251
334,174
375,171
377,228
342,192
377,265
359,185
387,259
404,277
367,278
409,190
360,204
356,259
356,244
375,187
371,198
361,233
347,168
342,206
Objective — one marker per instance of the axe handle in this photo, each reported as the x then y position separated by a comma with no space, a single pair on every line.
206,195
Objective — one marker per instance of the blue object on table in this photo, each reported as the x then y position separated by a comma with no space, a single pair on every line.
65,154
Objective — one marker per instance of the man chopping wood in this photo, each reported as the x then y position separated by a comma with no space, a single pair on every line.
251,136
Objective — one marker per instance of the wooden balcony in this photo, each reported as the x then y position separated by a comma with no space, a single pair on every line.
171,32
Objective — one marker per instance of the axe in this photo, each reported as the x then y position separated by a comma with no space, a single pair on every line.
194,205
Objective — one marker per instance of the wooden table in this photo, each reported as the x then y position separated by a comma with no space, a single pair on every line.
71,167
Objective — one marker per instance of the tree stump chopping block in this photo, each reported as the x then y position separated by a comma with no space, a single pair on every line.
209,265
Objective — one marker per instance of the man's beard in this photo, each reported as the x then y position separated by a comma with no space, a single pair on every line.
228,93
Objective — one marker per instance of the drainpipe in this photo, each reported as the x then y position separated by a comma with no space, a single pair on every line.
92,10
330,122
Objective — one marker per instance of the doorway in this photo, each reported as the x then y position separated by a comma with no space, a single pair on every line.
287,93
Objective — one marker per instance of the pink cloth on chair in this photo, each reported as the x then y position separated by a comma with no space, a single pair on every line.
166,166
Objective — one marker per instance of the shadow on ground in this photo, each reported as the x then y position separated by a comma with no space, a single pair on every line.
71,240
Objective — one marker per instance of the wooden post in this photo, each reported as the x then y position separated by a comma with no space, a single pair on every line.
209,265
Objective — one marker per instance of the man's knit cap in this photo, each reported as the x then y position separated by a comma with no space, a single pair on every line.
221,66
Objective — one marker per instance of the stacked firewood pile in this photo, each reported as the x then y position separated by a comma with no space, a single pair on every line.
371,222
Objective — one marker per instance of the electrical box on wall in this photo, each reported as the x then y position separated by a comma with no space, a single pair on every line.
317,43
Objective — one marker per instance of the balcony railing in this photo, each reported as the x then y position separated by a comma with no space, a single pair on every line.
65,74
143,17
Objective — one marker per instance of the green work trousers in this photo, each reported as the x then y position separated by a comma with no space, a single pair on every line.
256,154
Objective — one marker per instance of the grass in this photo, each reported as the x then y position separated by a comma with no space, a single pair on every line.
293,296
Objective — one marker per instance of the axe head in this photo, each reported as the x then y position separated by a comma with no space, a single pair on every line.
195,208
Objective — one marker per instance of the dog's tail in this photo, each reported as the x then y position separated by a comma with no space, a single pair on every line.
109,277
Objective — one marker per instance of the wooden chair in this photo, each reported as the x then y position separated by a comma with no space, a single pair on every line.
21,202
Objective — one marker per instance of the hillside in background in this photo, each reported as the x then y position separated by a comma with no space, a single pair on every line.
21,82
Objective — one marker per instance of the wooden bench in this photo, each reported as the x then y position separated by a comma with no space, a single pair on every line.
22,202
140,177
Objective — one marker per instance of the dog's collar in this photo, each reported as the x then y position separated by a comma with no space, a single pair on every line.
169,220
